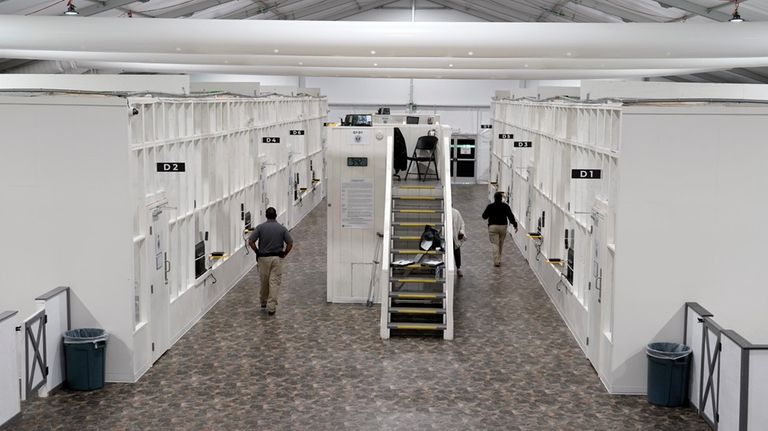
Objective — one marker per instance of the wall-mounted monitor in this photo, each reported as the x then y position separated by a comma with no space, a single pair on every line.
411,120
358,120
247,219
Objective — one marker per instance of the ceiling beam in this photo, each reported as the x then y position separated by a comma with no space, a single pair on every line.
464,8
191,9
751,74
354,11
316,8
254,10
506,13
625,15
694,8
675,78
104,6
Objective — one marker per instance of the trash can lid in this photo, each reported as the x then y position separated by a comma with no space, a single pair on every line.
85,335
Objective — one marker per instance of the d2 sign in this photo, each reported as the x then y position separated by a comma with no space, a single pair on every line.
171,167
586,174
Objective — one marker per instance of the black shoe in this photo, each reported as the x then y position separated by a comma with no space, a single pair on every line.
263,306
271,313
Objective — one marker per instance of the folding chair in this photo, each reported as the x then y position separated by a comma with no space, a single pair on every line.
424,152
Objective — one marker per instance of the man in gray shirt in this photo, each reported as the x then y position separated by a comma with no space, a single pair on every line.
271,236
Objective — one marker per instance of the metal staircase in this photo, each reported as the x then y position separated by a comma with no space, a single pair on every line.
416,301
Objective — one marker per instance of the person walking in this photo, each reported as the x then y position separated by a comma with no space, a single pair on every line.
459,236
497,214
272,237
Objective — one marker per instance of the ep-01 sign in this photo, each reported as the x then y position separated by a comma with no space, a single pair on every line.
506,136
270,140
586,174
522,144
296,132
171,167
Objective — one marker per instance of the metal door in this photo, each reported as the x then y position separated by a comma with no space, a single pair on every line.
463,159
159,292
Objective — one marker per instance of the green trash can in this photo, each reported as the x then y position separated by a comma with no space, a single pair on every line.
85,356
669,365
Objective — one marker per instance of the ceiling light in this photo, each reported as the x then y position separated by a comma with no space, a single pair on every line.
71,9
470,53
276,51
301,63
373,52
376,64
736,17
450,65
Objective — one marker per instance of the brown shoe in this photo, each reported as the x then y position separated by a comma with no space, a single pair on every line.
458,272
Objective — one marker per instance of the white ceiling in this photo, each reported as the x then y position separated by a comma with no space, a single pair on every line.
698,66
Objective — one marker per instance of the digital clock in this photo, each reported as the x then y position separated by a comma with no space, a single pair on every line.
357,161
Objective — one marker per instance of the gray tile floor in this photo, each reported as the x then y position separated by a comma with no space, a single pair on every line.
512,366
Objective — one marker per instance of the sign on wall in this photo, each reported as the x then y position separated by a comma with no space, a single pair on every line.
171,167
357,204
586,174
360,137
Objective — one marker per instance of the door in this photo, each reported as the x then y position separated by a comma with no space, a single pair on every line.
159,292
598,248
463,160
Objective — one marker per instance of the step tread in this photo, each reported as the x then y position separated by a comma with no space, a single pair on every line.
415,251
417,198
416,310
417,295
418,326
417,280
415,224
417,211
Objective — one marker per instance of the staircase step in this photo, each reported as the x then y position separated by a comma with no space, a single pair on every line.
417,280
414,251
418,326
418,198
424,187
417,295
416,224
416,310
405,238
416,211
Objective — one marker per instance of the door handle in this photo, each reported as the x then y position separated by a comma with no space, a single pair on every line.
167,266
599,285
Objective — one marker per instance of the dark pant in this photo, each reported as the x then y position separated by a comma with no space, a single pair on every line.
457,257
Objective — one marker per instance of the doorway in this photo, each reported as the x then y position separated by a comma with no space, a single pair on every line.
463,159
159,292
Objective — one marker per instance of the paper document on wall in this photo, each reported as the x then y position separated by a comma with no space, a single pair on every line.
465,151
357,204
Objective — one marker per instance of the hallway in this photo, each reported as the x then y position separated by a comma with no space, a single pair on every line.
512,366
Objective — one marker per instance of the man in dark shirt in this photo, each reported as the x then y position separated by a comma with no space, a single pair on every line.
271,236
497,214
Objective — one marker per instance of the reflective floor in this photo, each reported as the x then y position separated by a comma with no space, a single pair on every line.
512,366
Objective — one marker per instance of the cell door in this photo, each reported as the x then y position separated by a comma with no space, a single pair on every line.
598,248
159,290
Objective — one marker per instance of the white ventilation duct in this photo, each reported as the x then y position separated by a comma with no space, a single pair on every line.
480,50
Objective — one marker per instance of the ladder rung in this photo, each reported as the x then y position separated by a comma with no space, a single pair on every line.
418,280
416,252
417,295
416,310
417,211
412,224
418,326
418,198
406,238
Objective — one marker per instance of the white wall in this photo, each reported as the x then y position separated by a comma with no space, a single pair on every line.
172,84
66,228
262,79
9,374
690,220
671,90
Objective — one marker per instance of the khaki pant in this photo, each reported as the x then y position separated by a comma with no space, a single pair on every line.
497,233
271,272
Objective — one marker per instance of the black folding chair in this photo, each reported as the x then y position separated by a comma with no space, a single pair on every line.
424,152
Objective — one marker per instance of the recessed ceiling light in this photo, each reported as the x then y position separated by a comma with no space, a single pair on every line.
373,52
277,50
301,63
470,53
376,64
450,65
569,54
525,65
